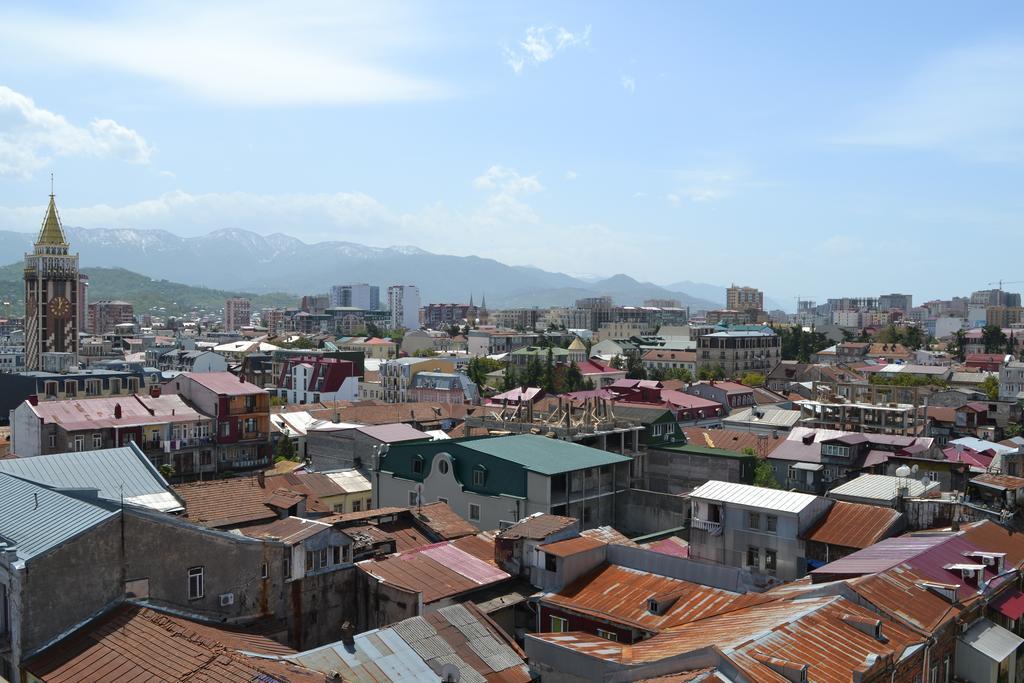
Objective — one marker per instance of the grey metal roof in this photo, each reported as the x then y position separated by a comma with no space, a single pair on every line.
113,472
36,519
991,640
878,487
753,496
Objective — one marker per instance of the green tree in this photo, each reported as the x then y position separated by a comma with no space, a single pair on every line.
958,346
479,367
763,474
371,329
509,381
167,471
549,372
993,339
913,338
534,372
635,368
753,379
709,372
285,449
573,377
679,373
617,362
991,387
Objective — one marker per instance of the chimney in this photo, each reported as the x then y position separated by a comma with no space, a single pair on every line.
348,634
154,391
117,411
33,399
261,479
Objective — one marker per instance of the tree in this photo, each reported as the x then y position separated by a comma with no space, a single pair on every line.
285,449
167,471
913,338
509,380
753,379
957,347
709,372
679,373
764,476
991,387
573,377
534,372
479,367
617,362
371,329
635,368
993,339
549,372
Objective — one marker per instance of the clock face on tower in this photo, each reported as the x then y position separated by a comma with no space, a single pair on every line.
59,307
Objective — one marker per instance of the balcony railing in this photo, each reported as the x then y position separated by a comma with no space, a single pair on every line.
713,528
175,444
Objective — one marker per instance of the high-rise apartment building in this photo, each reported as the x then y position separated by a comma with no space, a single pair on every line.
744,299
364,296
900,302
404,304
104,316
53,296
237,314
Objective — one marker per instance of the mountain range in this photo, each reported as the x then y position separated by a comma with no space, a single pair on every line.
239,260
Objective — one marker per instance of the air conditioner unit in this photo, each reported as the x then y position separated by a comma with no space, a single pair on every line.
227,599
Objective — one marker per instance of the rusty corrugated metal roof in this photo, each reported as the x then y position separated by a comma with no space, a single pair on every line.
571,546
853,525
537,526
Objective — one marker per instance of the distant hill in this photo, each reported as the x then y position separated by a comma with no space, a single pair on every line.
145,294
240,260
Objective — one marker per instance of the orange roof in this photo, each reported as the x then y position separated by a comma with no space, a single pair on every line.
853,525
620,594
537,527
734,440
571,546
133,643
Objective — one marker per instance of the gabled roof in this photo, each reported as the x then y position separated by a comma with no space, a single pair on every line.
543,455
753,496
115,473
289,530
537,526
223,383
36,519
442,520
226,502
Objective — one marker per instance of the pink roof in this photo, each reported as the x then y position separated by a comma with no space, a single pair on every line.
86,413
731,387
968,456
680,399
591,367
519,394
223,383
469,566
670,546
391,433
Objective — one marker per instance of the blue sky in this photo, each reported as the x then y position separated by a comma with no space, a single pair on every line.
805,148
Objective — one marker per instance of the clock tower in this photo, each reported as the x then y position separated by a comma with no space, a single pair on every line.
52,297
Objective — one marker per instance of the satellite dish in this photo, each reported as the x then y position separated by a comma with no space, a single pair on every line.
914,469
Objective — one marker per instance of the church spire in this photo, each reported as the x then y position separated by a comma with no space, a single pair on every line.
51,233
471,299
483,301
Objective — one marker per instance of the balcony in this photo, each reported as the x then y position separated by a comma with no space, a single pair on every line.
191,442
713,528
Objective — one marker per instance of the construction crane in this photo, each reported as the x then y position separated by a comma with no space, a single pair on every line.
1004,282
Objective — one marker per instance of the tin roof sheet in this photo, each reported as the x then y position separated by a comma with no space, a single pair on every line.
538,526
853,525
543,455
881,556
753,496
879,487
571,546
114,472
992,640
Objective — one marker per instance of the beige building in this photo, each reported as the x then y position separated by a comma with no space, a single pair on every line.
744,299
237,313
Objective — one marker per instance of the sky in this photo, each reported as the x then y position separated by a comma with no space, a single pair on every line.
809,149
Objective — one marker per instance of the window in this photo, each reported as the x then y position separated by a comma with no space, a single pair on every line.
71,387
754,520
753,559
264,571
357,506
97,440
92,387
225,428
53,440
115,386
769,560
79,442
133,384
474,512
309,560
947,669
791,472
550,562
559,625
195,583
340,507
417,465
412,498
369,504
933,675
335,554
607,635
51,389
442,467
478,477
323,558
288,564
771,523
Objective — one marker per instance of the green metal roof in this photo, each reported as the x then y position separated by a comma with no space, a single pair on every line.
543,455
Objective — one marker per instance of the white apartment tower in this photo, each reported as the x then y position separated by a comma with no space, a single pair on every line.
404,303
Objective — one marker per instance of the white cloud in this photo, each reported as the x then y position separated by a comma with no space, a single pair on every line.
672,198
968,101
628,84
241,52
30,137
706,185
571,175
541,44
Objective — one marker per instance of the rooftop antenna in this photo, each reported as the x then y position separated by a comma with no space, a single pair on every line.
51,183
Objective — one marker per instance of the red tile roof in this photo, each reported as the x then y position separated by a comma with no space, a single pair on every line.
226,502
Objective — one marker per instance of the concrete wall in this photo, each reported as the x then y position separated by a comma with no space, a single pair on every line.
639,512
319,604
669,472
380,604
26,432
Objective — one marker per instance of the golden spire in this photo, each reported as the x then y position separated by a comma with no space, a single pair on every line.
52,233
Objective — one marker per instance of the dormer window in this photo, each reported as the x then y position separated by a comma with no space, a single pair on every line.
835,450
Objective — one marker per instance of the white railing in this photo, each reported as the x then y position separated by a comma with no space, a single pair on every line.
713,528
